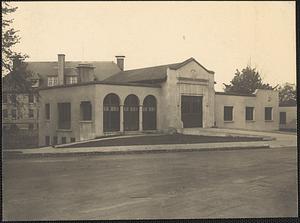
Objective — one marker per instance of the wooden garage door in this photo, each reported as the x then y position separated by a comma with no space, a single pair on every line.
191,111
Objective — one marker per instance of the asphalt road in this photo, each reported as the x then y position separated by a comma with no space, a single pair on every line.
206,184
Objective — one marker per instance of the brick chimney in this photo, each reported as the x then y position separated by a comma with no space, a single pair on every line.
120,62
86,72
61,69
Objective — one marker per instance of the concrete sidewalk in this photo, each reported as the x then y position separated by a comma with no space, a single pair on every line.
279,141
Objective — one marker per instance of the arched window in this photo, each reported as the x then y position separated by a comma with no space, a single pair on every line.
149,113
111,113
131,113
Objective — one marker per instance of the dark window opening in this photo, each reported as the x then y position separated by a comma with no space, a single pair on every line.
13,99
282,118
31,98
47,111
63,140
47,140
30,113
14,114
249,113
4,98
5,113
228,113
268,113
86,110
30,126
55,142
64,115
72,139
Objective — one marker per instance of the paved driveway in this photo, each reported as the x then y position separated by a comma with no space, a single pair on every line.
207,184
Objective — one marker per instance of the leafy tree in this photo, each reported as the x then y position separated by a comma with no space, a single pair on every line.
246,81
9,38
287,94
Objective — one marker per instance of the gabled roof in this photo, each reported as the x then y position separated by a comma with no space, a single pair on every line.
103,69
149,74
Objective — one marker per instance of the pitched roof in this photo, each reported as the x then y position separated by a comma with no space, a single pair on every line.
103,69
235,94
289,103
149,74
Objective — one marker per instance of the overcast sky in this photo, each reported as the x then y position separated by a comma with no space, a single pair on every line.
222,36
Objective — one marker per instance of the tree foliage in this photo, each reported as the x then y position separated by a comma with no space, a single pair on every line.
9,38
246,81
287,94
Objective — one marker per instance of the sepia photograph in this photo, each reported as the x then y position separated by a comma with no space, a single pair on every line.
130,110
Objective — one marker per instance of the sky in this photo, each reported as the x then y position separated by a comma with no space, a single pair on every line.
222,36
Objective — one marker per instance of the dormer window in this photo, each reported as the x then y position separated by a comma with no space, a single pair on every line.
52,81
72,80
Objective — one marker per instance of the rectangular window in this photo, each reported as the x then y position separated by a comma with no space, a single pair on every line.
13,113
31,98
52,81
249,113
268,113
72,140
72,80
30,113
47,140
228,113
54,140
63,140
4,98
64,115
4,113
282,118
86,110
47,111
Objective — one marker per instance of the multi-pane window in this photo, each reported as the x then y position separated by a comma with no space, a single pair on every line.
4,98
47,111
86,110
13,113
31,98
72,80
5,113
282,118
228,113
52,81
249,113
64,115
268,113
72,139
30,113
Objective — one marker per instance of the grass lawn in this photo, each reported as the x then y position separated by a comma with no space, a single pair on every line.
163,139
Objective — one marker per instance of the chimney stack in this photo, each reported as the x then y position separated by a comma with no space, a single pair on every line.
61,69
120,62
86,72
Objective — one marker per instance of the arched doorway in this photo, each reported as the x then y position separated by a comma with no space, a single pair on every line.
149,113
131,113
111,113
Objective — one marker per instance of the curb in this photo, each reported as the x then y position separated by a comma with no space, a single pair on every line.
11,155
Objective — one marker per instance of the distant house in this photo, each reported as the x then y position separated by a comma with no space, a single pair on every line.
84,100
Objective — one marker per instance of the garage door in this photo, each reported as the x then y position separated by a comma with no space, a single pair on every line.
191,111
